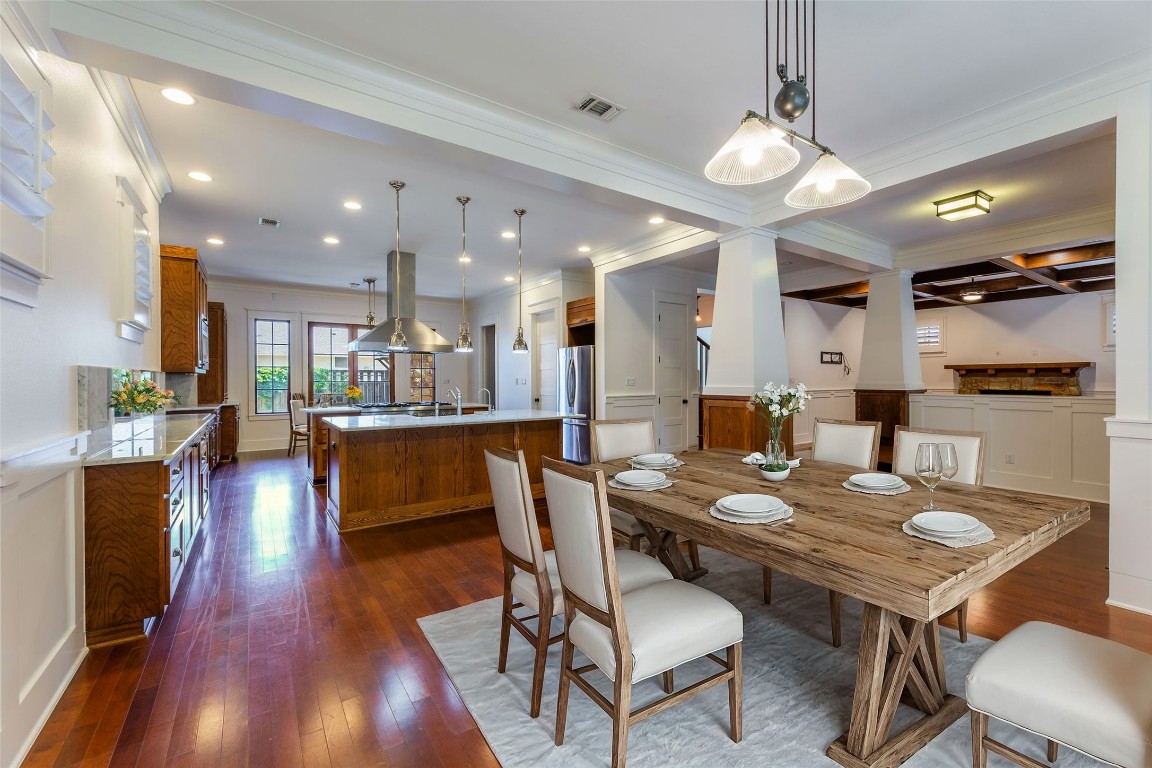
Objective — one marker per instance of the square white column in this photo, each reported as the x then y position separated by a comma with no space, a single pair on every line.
888,358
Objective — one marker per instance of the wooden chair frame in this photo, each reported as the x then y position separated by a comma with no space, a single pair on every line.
982,743
295,430
637,541
619,709
538,638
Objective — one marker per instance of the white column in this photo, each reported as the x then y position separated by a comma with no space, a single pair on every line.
1130,431
889,358
748,323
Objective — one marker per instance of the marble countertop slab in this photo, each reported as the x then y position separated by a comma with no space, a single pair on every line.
159,438
347,423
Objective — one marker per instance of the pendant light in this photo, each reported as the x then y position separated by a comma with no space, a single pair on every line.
371,281
973,292
519,346
464,340
761,149
398,342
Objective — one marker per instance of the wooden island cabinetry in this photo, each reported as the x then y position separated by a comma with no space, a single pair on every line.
183,311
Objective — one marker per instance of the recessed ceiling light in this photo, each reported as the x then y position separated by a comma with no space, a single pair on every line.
352,205
508,235
583,249
656,220
509,279
178,96
214,241
199,176
465,259
332,240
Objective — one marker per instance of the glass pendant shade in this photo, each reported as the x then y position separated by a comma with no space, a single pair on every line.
464,340
519,346
398,342
755,153
828,183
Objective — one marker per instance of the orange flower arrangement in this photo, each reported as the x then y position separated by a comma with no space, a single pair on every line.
141,396
353,392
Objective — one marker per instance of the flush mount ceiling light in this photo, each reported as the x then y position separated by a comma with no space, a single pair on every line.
760,149
964,206
464,340
178,96
398,341
199,176
973,292
352,205
520,346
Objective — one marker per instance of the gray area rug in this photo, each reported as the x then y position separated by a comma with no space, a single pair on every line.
797,689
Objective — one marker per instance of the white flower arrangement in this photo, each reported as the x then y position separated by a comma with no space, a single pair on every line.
774,404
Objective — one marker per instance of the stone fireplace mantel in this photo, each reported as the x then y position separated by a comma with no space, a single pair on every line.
1053,378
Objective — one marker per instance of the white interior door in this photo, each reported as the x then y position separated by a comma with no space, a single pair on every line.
671,376
544,333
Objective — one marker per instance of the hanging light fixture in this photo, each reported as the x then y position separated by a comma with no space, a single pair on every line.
519,346
464,340
973,292
398,342
761,149
371,281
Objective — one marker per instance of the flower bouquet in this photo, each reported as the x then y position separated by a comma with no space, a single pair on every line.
775,404
353,393
140,396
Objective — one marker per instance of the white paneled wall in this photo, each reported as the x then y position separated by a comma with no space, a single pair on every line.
1053,445
41,587
825,404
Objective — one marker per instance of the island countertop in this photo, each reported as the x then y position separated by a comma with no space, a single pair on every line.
399,421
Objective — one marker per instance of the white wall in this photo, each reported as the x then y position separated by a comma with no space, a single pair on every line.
1053,329
74,323
244,301
811,328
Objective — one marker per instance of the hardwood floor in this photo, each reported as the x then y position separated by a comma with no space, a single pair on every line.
289,645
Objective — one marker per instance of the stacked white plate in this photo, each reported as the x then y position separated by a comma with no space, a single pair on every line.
655,461
640,480
876,482
751,508
945,524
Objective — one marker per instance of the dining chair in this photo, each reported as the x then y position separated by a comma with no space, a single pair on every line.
297,424
617,439
636,635
530,577
857,444
969,469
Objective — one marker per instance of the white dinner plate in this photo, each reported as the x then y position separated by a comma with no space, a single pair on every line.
640,477
749,504
655,459
945,523
875,480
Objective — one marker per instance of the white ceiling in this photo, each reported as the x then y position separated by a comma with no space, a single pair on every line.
686,70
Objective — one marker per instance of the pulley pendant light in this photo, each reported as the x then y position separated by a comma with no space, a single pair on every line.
761,149
398,341
520,346
464,340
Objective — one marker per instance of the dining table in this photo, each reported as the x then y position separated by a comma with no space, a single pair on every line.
853,543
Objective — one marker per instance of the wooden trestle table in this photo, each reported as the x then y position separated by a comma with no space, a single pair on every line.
853,543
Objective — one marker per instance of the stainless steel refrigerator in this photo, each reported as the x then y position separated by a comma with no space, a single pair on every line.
574,395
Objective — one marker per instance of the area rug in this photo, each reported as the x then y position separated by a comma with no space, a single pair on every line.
797,689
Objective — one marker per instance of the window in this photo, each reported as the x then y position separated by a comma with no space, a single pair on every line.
272,365
1108,321
422,378
331,366
930,335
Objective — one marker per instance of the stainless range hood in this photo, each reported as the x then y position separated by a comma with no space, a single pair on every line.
401,305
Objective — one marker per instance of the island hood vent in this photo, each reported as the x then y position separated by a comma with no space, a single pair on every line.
401,304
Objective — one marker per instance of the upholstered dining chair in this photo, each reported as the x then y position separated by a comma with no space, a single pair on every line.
616,439
969,469
530,577
636,635
297,423
857,444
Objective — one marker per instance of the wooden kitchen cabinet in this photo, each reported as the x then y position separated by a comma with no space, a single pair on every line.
212,387
581,321
184,336
229,431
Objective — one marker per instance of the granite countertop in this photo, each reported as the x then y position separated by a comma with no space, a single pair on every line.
178,409
348,423
332,409
159,438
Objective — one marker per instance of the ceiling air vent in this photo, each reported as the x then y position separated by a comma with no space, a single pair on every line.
598,107
264,221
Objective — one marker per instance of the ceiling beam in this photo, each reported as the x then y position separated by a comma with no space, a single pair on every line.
832,292
959,272
1017,264
1087,273
1098,285
1070,256
932,294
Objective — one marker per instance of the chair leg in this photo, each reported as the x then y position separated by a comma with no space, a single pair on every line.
291,444
1053,749
562,693
505,626
669,685
635,542
979,731
735,655
694,554
962,622
834,611
621,709
767,585
539,665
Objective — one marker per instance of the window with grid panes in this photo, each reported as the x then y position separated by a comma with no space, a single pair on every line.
272,365
332,366
422,378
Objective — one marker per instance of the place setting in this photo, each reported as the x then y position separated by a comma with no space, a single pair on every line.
640,480
877,482
751,508
952,529
656,461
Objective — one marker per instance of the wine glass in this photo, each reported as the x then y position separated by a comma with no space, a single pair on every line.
948,462
929,469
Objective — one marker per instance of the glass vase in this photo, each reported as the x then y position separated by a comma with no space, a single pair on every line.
775,452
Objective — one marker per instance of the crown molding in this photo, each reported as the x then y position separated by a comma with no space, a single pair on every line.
31,35
839,240
816,277
240,283
122,104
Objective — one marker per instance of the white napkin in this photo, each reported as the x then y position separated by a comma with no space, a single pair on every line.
754,458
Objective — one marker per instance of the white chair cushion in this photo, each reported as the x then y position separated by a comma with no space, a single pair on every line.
849,444
669,623
625,523
636,571
1093,694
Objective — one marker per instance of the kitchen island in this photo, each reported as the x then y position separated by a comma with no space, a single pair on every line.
392,469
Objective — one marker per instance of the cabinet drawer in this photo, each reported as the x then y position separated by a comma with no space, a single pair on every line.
177,554
176,473
177,501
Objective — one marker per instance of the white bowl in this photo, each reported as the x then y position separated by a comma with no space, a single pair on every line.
775,477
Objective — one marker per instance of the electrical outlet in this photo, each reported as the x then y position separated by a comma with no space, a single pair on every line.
630,381
1009,458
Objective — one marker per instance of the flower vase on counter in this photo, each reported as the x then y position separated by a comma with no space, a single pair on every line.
774,405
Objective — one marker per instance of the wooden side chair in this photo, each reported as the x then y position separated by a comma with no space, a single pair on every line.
857,444
297,424
634,636
530,577
617,439
970,469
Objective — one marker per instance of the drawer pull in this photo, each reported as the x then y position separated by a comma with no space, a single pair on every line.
177,552
177,470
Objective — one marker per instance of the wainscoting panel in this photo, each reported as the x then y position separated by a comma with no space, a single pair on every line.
41,587
630,407
1055,445
825,404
